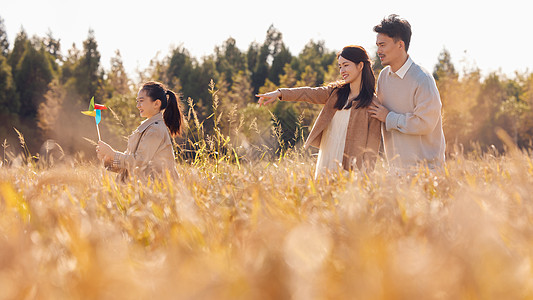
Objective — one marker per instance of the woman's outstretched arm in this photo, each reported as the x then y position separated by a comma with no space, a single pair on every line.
315,95
268,98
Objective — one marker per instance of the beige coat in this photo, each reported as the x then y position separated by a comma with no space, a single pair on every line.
149,151
363,137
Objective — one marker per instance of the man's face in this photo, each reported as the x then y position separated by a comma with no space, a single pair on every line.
389,51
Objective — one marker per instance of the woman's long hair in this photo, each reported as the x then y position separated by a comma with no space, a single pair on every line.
357,54
172,115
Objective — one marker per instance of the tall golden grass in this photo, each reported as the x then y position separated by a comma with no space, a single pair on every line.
270,231
264,228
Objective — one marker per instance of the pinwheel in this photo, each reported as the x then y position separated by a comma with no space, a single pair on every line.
95,111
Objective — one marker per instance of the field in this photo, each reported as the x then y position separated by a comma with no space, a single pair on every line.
270,231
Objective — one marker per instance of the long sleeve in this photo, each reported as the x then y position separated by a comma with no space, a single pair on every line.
145,152
315,95
425,116
373,143
412,132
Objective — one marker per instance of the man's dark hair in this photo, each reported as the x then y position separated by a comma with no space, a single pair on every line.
395,27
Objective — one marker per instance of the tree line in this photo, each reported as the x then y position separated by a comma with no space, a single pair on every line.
43,88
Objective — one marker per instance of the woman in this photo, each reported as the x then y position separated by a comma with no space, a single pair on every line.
149,151
343,131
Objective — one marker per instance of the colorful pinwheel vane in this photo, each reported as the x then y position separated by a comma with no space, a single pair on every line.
95,110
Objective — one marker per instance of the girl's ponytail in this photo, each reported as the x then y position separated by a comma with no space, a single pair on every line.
172,115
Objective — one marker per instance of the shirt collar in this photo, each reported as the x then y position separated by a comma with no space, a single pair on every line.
403,70
155,118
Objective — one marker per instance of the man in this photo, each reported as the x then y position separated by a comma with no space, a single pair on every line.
410,106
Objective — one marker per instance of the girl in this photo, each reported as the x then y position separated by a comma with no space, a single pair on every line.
149,151
343,131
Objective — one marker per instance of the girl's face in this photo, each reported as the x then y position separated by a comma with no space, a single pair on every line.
349,70
147,106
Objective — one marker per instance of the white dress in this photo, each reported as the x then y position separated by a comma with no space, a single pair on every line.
332,143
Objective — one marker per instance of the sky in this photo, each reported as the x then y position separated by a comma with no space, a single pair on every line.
491,35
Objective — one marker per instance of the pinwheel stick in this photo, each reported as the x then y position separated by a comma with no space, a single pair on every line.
98,130
98,117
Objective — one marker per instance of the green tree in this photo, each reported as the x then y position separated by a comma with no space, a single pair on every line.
279,55
4,43
316,56
515,112
491,96
203,73
279,62
239,97
260,71
512,116
193,77
68,79
179,71
444,67
87,73
252,56
527,83
273,42
287,116
229,60
53,47
456,102
527,96
461,120
332,73
303,109
289,77
268,87
71,62
308,77
50,110
9,102
241,91
376,65
121,102
32,76
117,78
264,57
123,119
19,47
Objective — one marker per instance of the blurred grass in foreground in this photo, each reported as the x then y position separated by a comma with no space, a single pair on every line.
270,231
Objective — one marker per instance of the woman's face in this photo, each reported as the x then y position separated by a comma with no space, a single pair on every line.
146,106
349,70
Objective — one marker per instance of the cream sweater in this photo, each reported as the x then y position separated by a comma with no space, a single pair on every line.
412,133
